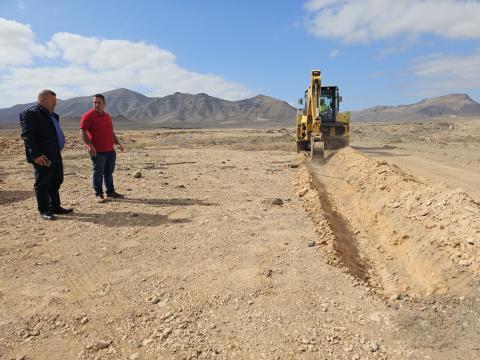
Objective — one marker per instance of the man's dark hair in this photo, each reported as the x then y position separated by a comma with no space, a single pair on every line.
99,96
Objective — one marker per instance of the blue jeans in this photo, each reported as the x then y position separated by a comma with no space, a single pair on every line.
103,167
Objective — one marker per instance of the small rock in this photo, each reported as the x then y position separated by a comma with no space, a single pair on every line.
99,345
166,333
84,320
137,175
464,262
35,333
154,300
147,341
398,296
293,166
373,346
134,356
268,273
302,192
277,201
166,316
311,244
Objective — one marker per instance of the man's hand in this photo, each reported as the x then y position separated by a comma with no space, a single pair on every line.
120,146
91,150
41,160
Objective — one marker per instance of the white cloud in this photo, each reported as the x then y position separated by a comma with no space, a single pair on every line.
18,46
315,5
367,20
438,74
334,53
93,65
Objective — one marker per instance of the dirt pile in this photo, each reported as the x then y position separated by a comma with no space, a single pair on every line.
417,238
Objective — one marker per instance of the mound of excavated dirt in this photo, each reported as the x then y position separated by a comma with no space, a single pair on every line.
410,237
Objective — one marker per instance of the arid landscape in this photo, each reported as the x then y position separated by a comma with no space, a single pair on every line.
230,245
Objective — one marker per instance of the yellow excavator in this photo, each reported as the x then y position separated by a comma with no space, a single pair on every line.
320,125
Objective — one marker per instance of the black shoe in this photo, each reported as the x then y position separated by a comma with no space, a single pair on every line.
115,195
61,211
47,216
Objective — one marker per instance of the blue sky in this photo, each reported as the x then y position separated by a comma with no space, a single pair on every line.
379,52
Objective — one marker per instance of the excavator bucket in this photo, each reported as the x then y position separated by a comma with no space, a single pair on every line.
317,147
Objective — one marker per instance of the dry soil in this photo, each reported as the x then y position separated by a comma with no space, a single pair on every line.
230,245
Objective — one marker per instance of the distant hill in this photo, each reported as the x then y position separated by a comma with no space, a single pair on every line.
454,105
134,110
177,110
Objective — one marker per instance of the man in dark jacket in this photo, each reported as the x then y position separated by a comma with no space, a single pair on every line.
44,140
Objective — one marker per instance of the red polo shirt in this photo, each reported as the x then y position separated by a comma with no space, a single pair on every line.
99,129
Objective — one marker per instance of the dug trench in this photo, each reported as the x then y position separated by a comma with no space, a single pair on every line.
391,230
344,245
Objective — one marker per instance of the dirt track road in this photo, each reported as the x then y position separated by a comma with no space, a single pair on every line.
446,152
225,248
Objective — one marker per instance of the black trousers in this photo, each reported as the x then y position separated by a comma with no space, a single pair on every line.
47,185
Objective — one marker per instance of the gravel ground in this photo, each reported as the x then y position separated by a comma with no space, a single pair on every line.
229,245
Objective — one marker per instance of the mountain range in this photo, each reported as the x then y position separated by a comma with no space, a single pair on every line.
131,108
453,105
177,110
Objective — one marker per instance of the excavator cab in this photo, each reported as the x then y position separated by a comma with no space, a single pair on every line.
327,106
334,125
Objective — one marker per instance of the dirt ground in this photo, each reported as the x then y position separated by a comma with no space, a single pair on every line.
232,246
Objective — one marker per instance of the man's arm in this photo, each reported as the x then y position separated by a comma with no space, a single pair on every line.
117,142
27,123
91,149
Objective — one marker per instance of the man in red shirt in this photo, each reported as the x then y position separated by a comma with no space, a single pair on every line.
96,130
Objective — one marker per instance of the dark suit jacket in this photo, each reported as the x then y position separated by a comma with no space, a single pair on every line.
39,134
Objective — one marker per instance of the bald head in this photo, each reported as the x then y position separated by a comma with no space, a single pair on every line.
47,99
